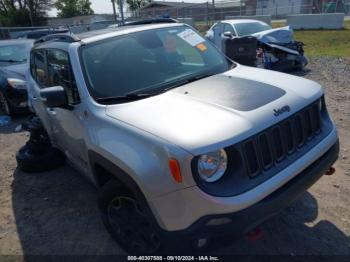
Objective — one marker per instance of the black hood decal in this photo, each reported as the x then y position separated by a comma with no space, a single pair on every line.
233,92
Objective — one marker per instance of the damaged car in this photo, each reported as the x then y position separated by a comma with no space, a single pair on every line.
255,43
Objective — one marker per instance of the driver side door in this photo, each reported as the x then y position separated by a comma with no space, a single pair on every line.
67,123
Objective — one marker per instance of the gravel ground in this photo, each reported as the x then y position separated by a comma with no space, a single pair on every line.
55,212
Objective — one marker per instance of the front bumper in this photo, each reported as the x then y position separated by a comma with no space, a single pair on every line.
181,209
247,219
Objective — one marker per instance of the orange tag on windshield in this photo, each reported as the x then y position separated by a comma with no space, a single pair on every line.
202,47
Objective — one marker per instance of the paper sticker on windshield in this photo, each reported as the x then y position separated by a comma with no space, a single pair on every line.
201,47
191,37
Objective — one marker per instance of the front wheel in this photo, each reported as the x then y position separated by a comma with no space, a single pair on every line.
127,221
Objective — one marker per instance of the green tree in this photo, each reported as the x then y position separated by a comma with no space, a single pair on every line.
135,5
24,12
70,8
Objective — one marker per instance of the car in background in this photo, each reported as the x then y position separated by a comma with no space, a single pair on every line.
255,43
36,34
14,57
234,28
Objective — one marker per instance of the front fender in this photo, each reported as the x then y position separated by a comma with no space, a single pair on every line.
140,155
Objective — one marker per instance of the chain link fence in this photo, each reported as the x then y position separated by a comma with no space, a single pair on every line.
203,15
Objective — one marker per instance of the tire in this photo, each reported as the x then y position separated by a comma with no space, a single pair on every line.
126,221
5,105
30,161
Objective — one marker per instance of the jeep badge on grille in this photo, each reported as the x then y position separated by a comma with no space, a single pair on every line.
282,110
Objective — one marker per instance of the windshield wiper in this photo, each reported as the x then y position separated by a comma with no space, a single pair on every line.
125,98
187,81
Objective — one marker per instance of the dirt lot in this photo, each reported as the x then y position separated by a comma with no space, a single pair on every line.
55,212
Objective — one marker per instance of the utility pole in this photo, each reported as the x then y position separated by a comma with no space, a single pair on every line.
30,6
121,11
213,8
240,7
114,12
336,6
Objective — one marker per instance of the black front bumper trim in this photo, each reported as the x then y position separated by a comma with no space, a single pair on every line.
247,219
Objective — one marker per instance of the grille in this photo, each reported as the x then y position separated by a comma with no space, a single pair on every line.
262,151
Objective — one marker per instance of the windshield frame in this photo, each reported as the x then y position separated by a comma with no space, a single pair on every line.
90,88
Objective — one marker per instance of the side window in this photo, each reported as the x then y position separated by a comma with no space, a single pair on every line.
229,28
216,28
60,74
38,67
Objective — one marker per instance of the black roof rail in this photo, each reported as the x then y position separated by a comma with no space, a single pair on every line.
152,21
69,38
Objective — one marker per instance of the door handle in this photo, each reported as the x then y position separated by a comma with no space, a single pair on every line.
34,98
51,111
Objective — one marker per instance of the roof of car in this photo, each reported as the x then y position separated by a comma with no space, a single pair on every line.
64,40
114,31
107,30
242,21
16,41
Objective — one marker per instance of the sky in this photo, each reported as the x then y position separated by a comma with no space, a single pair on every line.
105,6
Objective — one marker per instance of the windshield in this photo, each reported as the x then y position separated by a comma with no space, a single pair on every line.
251,28
15,53
150,61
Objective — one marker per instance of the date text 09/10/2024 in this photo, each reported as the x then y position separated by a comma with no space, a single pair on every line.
173,258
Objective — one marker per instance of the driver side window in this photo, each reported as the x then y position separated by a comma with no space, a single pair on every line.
229,28
38,67
216,29
60,74
51,67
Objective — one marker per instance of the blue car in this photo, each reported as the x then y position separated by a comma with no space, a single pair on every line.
14,59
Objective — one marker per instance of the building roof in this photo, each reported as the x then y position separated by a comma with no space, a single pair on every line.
169,4
219,4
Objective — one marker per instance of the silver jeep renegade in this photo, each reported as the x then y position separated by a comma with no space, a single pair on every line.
184,144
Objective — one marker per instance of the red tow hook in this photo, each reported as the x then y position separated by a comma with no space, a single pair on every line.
254,234
330,171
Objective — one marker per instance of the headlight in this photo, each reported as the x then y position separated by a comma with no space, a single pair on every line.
17,83
212,166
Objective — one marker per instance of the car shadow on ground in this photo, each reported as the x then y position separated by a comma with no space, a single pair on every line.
296,231
56,213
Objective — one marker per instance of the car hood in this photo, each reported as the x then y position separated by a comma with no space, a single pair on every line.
282,35
15,71
219,111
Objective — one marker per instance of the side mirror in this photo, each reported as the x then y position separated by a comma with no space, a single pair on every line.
228,34
54,96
